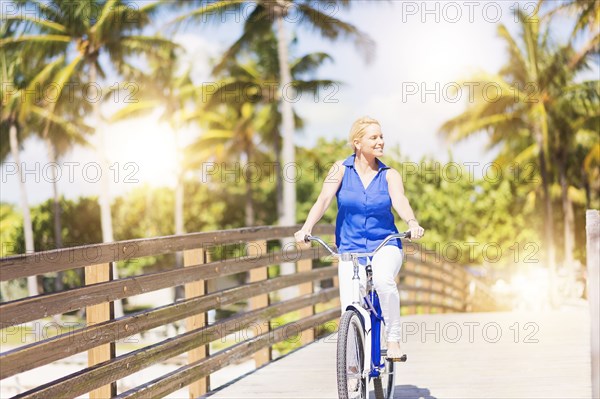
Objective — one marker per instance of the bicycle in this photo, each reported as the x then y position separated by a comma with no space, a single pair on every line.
361,340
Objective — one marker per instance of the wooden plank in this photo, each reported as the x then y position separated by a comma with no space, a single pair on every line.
40,353
83,381
304,289
97,314
196,289
254,249
420,276
21,311
593,292
163,386
25,265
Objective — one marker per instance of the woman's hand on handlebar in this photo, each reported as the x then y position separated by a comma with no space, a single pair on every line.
300,236
416,231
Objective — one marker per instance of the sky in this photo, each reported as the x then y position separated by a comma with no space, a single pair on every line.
422,50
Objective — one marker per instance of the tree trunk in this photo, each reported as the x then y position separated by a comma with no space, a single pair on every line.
586,186
288,156
569,222
249,211
178,211
32,286
548,221
286,93
104,197
278,176
58,283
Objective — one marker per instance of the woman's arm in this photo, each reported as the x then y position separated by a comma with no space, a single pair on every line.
401,204
330,187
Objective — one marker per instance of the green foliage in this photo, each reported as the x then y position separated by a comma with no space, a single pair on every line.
466,217
79,219
10,222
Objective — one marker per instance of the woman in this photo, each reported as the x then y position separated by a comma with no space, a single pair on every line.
366,190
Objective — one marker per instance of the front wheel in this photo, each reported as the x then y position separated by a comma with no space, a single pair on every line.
350,358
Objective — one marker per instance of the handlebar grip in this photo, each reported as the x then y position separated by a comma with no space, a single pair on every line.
307,238
407,234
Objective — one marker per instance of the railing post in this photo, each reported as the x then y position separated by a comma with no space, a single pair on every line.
192,290
97,314
305,265
593,292
258,248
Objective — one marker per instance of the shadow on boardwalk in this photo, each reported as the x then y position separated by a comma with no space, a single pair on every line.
412,392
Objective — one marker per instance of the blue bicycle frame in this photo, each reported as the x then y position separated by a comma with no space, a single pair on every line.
370,313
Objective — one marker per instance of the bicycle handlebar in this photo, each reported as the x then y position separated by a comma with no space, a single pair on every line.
309,238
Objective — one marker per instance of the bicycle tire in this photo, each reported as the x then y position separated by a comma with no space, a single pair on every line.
385,383
350,358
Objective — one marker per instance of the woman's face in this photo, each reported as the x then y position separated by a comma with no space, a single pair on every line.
372,142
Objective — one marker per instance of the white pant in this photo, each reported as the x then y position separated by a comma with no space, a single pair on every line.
386,265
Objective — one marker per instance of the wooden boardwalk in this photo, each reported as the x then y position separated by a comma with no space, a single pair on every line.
467,355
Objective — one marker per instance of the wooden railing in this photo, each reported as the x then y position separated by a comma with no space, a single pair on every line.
428,286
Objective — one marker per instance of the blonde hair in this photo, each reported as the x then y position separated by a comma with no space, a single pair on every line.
357,131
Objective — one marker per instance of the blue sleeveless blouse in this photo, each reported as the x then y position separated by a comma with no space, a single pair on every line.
364,216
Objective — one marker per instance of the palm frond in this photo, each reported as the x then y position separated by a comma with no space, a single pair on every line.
333,28
42,23
134,109
257,25
207,12
71,129
34,38
309,63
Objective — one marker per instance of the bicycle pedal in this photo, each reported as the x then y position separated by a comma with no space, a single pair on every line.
397,359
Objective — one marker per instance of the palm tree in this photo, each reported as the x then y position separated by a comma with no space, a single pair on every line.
588,19
20,117
266,15
11,129
68,29
257,81
573,115
520,114
61,127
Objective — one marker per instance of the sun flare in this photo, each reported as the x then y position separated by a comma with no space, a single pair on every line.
145,151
